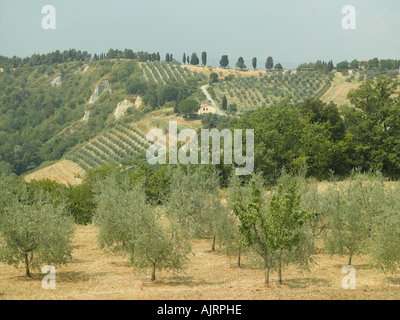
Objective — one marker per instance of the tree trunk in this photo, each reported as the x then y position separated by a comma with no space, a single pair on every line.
153,274
280,271
27,272
267,267
350,257
267,275
239,255
213,244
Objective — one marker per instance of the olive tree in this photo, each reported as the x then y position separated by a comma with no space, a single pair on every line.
384,242
194,203
35,230
352,208
237,191
129,224
275,229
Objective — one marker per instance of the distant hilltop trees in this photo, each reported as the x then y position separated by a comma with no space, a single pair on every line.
77,55
143,56
384,64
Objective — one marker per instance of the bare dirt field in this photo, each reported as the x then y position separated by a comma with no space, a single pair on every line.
93,274
64,171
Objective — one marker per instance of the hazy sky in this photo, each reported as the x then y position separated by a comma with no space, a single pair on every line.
291,31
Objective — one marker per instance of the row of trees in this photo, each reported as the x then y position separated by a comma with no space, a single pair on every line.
318,65
78,55
194,59
224,62
153,214
45,59
269,64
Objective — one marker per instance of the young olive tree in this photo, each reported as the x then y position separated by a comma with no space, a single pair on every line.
35,230
129,224
194,203
384,242
352,209
275,230
311,201
237,191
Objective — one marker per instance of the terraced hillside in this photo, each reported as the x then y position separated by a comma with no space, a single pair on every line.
114,146
249,93
161,73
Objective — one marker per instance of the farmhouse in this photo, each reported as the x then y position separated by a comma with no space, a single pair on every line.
207,109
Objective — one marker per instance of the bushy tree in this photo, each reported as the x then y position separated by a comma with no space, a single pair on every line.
269,64
188,107
224,62
375,126
384,243
35,230
213,78
352,208
194,60
129,224
240,63
194,204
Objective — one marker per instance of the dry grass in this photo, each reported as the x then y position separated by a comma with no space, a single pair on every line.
64,171
339,90
210,275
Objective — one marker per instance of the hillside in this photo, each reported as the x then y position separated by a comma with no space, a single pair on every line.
87,111
339,89
64,171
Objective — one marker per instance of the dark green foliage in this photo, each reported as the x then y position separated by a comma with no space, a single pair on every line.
188,107
224,104
254,63
285,138
194,60
137,86
213,78
374,125
224,62
204,58
269,64
156,181
240,63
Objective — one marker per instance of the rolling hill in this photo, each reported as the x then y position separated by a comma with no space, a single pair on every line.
79,115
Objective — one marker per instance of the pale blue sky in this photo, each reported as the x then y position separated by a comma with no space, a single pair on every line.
291,31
